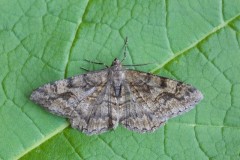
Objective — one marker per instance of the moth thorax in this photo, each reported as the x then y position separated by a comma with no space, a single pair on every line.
117,81
118,77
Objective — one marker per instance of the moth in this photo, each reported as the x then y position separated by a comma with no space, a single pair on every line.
98,101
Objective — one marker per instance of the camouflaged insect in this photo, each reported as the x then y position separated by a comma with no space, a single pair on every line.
98,101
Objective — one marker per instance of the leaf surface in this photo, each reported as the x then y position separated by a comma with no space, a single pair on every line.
192,41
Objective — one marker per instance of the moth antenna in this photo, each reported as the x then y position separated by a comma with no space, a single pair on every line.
125,49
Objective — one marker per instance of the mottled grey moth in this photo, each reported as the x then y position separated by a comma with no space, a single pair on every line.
98,101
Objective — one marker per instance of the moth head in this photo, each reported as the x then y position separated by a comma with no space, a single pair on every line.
116,65
116,62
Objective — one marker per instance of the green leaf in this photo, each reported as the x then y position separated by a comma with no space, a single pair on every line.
193,41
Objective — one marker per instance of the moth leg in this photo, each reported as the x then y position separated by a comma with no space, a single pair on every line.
94,62
87,70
